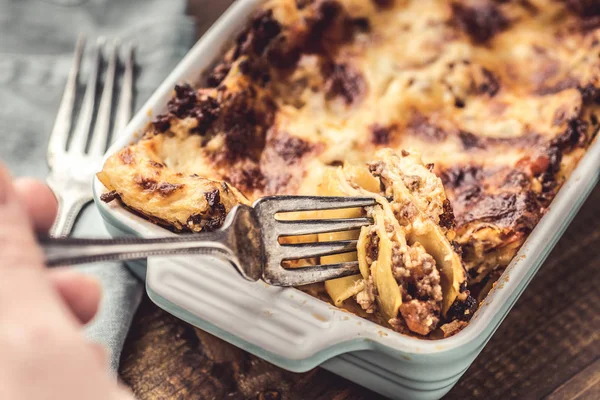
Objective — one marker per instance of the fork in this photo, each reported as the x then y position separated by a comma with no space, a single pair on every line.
249,240
73,162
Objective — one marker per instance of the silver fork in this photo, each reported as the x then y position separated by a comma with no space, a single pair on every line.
249,240
74,162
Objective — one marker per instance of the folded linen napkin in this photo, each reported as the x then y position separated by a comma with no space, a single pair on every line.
37,38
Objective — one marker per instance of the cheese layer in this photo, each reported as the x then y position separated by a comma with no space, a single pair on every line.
500,97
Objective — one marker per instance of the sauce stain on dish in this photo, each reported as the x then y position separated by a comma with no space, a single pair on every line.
320,317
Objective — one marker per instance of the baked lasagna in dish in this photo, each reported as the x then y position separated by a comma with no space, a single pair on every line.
463,119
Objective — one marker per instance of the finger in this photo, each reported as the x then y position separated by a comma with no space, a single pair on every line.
23,279
101,354
30,299
123,393
39,202
17,243
81,293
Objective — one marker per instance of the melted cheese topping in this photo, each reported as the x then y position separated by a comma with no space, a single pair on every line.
501,97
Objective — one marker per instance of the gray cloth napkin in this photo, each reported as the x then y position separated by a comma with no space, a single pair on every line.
37,38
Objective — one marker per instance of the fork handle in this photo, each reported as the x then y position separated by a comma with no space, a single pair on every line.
70,251
68,210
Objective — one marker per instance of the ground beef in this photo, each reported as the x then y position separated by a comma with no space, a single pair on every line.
424,280
372,246
419,282
366,298
405,213
398,268
420,316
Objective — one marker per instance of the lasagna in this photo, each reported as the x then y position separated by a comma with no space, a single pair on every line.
463,118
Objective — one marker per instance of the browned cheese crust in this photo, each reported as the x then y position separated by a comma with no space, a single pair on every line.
502,98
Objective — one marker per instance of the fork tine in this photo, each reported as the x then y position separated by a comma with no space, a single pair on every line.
308,275
126,99
86,114
276,204
60,133
99,139
309,226
317,249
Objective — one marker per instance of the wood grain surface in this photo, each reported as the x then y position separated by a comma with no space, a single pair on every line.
547,347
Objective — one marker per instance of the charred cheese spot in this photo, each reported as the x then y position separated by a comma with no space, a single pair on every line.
187,104
447,217
382,135
163,188
585,8
481,21
383,3
290,149
126,156
463,310
214,218
344,81
421,127
109,196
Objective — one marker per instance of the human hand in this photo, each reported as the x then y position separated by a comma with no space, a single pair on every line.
43,353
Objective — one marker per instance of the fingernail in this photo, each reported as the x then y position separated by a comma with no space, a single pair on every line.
6,188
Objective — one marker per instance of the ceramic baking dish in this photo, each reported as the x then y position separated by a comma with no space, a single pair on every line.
298,332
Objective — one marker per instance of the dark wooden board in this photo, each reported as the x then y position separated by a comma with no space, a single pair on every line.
548,346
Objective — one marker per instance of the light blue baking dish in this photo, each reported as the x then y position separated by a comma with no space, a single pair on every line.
298,332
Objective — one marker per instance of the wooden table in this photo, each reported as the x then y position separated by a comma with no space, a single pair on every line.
548,346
